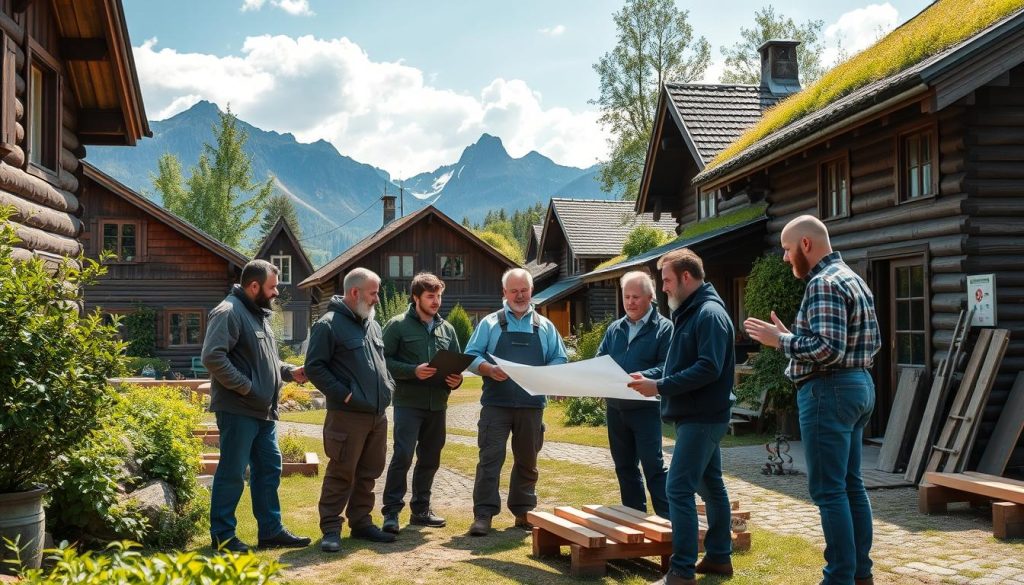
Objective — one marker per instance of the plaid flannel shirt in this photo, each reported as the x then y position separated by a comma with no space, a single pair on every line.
836,327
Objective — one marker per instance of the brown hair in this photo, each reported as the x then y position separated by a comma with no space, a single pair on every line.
683,260
257,271
425,281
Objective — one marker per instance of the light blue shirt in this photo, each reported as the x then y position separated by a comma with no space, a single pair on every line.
634,328
485,337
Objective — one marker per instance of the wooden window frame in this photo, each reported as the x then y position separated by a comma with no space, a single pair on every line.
911,261
168,335
387,265
440,266
713,195
824,194
52,120
8,95
280,279
139,238
902,188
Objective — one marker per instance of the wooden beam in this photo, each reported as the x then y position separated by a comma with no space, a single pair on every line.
73,49
655,532
606,527
565,529
982,484
101,122
20,5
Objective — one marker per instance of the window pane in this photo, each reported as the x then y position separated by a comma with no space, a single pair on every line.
902,315
917,348
917,281
128,242
914,189
36,112
407,267
175,328
917,315
904,351
912,152
394,269
193,328
926,179
110,237
902,282
925,146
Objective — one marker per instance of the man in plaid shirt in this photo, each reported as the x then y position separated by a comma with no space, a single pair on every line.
832,345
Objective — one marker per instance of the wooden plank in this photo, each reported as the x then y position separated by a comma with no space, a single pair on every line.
1007,432
606,527
987,476
939,451
654,531
963,442
1007,520
907,395
567,530
546,544
982,484
584,564
639,515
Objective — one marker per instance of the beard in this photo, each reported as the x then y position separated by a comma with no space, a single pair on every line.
364,310
801,266
263,301
428,309
674,302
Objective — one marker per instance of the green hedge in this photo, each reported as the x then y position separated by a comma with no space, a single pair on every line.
586,411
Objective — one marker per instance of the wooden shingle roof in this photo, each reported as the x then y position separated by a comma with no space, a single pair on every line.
598,228
713,116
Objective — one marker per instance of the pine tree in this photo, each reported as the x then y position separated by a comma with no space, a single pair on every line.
279,205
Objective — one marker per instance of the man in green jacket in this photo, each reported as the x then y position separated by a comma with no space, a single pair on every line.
410,341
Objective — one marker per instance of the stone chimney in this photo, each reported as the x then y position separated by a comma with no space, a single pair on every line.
389,208
779,72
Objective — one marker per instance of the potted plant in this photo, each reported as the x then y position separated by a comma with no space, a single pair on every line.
54,365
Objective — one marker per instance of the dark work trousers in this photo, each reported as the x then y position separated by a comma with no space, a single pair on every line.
356,443
634,437
420,431
527,428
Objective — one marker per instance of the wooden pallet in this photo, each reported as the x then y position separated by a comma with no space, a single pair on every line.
1007,497
596,534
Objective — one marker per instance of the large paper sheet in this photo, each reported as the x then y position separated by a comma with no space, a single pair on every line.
600,377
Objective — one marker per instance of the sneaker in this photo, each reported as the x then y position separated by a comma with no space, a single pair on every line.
428,519
285,539
481,526
390,524
231,545
372,533
331,542
522,522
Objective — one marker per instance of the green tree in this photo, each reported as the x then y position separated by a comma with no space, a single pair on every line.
463,325
743,62
642,239
212,197
392,302
655,44
279,205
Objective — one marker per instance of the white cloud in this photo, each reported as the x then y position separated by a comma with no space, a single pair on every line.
381,113
858,29
293,7
553,31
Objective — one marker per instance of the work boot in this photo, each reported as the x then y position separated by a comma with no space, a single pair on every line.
522,522
671,578
706,568
331,542
231,545
428,519
481,526
864,581
372,533
284,539
390,523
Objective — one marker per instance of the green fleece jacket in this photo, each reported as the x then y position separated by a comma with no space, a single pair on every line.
407,344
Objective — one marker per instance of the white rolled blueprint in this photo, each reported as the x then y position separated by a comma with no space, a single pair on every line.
599,377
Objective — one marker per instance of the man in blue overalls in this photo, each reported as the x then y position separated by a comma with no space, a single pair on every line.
518,334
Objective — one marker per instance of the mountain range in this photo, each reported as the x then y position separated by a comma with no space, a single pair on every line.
337,199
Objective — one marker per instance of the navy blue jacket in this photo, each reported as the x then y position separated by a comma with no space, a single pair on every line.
645,354
696,382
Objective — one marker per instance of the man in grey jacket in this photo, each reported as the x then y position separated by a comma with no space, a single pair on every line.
345,361
245,377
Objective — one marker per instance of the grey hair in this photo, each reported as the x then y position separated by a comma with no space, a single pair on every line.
516,272
638,275
357,276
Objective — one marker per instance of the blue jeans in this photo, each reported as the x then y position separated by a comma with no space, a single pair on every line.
696,468
246,442
634,437
834,410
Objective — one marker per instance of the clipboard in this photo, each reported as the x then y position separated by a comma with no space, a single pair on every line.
447,363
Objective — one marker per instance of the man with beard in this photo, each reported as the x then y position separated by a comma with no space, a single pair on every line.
245,377
410,341
831,349
696,388
519,334
638,342
345,361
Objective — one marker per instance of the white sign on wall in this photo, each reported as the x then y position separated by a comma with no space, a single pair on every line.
981,295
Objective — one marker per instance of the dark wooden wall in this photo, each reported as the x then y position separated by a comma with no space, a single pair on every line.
297,300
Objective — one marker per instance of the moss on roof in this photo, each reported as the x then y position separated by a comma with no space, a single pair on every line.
937,28
727,219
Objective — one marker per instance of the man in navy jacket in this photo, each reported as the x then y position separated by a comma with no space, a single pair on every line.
695,387
638,342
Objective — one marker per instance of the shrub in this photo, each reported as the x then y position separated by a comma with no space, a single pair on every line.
139,330
295,360
392,302
509,247
462,324
125,566
285,351
300,395
135,365
642,239
54,361
292,450
584,411
589,339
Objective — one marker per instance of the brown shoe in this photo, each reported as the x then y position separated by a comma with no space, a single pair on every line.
706,568
864,581
671,578
481,526
522,522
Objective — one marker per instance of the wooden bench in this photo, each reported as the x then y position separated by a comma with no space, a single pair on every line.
596,534
1007,497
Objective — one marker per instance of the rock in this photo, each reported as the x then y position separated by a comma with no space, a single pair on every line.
151,498
205,480
319,402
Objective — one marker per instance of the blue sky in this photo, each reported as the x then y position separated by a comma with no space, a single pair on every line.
407,85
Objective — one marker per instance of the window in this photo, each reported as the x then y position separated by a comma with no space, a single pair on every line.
739,292
287,319
43,115
452,265
399,265
284,264
184,327
121,238
834,188
707,204
577,265
909,309
917,176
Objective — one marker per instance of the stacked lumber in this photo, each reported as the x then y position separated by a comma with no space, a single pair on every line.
1006,496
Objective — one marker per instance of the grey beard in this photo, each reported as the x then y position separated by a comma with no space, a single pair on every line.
365,311
673,302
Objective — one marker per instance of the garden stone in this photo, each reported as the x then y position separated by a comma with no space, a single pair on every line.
152,498
319,402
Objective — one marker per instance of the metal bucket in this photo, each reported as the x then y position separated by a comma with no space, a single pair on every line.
22,518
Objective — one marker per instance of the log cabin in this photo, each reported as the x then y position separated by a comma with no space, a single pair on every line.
67,79
283,249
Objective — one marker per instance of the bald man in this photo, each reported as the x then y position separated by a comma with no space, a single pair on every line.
830,349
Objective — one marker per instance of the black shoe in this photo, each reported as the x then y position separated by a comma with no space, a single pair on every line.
427,519
522,522
391,524
231,545
285,539
372,533
331,542
481,526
